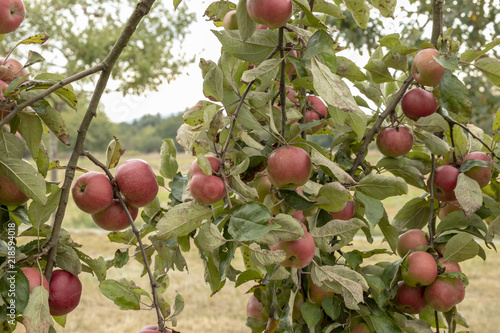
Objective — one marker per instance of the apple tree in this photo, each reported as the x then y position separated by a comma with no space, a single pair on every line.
261,186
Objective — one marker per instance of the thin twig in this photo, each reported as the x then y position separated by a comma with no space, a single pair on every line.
432,217
282,82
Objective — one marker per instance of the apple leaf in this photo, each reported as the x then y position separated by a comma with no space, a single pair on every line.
436,145
360,12
493,229
311,313
468,194
490,67
25,177
243,188
246,25
98,266
379,71
248,275
374,209
182,219
344,230
10,145
339,173
36,315
68,259
250,221
319,42
328,8
460,247
123,293
289,229
433,123
254,49
15,275
348,69
53,119
385,324
264,258
496,126
113,153
471,55
386,7
382,187
415,214
454,95
31,129
313,21
209,237
265,72
333,196
39,214
168,163
460,141
66,94
457,219
401,167
389,231
295,199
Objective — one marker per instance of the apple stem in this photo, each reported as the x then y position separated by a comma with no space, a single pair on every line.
432,216
371,133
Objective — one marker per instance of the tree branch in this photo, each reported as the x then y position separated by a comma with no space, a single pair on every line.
431,225
437,21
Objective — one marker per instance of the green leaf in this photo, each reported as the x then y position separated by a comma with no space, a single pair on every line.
66,93
468,194
248,275
341,175
182,219
53,120
454,95
36,315
311,313
471,55
348,69
333,196
313,21
344,230
209,237
113,153
289,230
10,145
360,12
295,199
490,67
15,276
460,248
39,214
332,9
122,293
496,126
379,71
246,25
31,130
415,214
98,266
436,145
331,87
25,177
456,220
382,187
389,231
265,72
374,209
318,43
213,84
263,258
254,50
402,167
249,221
433,123
386,7
68,259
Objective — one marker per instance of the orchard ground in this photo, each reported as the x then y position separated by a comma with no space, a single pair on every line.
225,312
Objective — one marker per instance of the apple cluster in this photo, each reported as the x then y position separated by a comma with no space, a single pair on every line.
206,189
93,193
65,289
425,280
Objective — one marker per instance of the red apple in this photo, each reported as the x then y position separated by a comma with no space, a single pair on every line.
419,269
317,294
289,167
11,15
361,328
395,141
14,66
137,182
35,278
299,252
230,20
418,103
10,194
425,69
207,189
450,266
299,216
447,208
262,27
65,290
114,217
411,240
316,110
346,213
445,181
92,192
482,175
151,329
272,13
444,293
255,309
195,169
410,299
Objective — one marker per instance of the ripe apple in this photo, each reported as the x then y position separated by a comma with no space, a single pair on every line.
195,169
445,181
317,294
425,69
419,269
137,182
316,110
35,278
272,13
11,15
207,189
444,293
299,216
450,266
448,208
151,329
10,194
92,192
262,27
230,20
411,240
410,299
14,66
346,213
395,141
299,252
114,217
482,175
361,328
418,103
288,167
255,309
65,290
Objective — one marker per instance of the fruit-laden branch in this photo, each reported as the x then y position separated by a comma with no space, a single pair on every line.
137,234
371,133
140,11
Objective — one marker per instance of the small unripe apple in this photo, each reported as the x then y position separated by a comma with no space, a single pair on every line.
411,240
425,69
288,167
35,278
410,299
92,192
255,308
346,213
272,13
230,20
299,252
65,290
444,293
114,217
12,14
137,182
445,181
482,175
207,189
418,103
395,141
419,269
